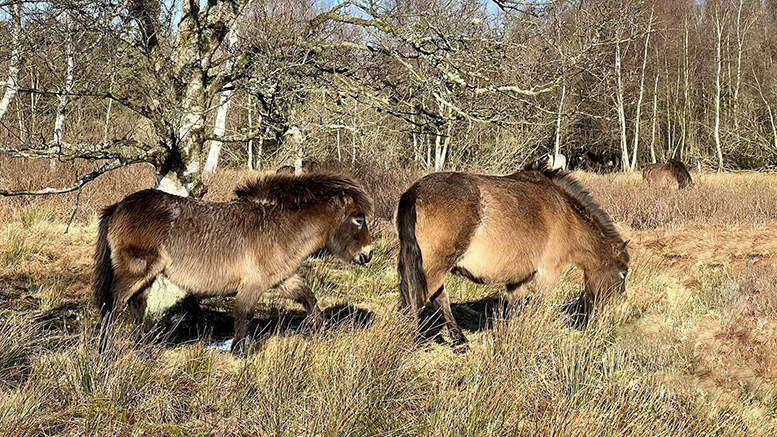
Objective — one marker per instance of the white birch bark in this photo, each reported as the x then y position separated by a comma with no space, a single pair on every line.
12,81
719,31
635,146
64,96
219,127
251,141
620,104
559,113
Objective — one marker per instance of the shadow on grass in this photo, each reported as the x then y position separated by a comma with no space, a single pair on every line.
189,321
480,315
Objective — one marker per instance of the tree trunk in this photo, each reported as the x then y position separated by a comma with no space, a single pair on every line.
108,111
220,125
620,104
250,141
686,86
719,29
339,151
559,113
415,137
64,96
635,146
219,128
655,119
12,81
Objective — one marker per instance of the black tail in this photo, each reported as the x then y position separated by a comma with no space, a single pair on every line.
412,282
103,268
681,173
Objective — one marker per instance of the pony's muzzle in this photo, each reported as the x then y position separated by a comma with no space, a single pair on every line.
364,257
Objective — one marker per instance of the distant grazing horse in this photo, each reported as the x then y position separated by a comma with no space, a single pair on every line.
599,162
673,174
243,247
560,163
504,229
307,168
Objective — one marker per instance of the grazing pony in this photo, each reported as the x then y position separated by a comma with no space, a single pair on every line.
243,247
599,162
504,229
673,174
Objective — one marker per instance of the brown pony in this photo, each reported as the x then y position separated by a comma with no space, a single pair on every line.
507,230
673,174
243,247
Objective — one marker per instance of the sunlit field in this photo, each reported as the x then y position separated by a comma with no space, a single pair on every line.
690,350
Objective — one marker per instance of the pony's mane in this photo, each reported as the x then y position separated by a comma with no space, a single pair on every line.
586,205
298,191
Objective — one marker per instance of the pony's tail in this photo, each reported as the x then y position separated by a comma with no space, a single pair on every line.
103,268
412,282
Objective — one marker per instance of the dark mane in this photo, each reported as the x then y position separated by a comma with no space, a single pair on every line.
680,171
587,206
298,191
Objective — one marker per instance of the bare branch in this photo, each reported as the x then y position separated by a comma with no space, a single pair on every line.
74,151
83,180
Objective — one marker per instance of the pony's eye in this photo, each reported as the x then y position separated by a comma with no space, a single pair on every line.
358,221
623,275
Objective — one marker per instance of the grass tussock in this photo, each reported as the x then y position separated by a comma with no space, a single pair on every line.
688,350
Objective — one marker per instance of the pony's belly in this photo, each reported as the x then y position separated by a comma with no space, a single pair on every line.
209,280
493,265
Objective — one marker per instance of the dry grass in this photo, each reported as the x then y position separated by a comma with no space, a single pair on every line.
690,350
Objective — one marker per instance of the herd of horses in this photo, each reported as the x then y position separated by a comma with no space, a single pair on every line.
529,225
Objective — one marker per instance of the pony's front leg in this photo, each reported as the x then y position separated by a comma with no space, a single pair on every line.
295,289
245,304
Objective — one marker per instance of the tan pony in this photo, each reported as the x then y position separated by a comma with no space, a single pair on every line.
673,174
243,247
505,230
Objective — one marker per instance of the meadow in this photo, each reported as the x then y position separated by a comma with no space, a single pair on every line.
691,349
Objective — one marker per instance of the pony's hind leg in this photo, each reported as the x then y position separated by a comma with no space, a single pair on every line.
442,303
295,289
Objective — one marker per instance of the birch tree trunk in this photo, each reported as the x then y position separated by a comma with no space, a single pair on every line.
686,87
635,146
620,104
64,95
250,141
220,125
719,31
742,30
655,119
108,111
415,137
12,81
559,113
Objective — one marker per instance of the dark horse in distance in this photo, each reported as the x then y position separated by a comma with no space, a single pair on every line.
506,230
243,247
673,174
